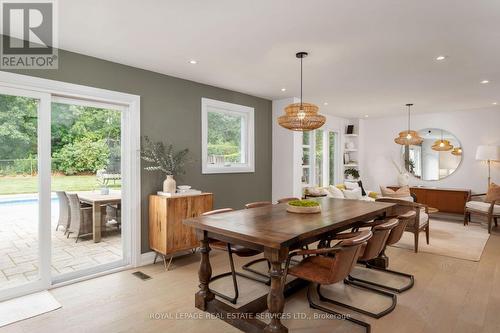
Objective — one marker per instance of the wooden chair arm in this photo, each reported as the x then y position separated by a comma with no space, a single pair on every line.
492,207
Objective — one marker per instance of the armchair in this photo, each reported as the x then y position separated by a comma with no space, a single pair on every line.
490,210
416,225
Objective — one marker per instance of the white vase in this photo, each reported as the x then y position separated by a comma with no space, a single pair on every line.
403,179
169,185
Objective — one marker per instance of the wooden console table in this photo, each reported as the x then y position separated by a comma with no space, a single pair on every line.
167,234
446,200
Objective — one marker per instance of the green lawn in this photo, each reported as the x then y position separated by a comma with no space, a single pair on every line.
29,184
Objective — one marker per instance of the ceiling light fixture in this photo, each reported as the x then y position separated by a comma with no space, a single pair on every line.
409,137
442,145
366,116
325,104
485,81
441,57
494,103
457,151
193,62
283,89
301,116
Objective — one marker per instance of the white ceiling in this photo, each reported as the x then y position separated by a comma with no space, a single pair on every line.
366,57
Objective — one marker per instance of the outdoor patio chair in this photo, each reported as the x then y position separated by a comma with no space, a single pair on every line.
63,211
80,218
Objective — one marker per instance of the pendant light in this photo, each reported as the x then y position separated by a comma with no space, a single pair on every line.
457,151
301,116
409,137
442,145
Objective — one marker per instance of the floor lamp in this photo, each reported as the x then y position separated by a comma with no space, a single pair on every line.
488,153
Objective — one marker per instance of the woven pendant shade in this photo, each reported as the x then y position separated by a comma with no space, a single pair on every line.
306,119
301,116
408,138
442,145
457,151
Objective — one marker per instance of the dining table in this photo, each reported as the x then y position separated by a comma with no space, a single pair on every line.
275,232
97,201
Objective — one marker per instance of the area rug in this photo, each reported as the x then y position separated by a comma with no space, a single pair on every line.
450,238
25,307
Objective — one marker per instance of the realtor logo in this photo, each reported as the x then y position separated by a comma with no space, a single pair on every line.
28,35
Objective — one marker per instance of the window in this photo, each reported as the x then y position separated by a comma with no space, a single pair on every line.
318,158
227,137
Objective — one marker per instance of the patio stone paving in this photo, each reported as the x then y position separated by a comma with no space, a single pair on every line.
19,245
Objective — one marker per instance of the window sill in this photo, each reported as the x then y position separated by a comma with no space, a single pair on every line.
228,169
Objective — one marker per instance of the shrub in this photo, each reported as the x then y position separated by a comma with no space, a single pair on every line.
82,156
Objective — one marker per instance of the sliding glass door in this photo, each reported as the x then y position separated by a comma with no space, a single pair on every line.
319,158
24,199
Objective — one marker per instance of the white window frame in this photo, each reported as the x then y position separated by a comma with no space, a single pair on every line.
326,159
247,137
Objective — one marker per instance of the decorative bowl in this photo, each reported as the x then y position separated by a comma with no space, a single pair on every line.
303,207
184,187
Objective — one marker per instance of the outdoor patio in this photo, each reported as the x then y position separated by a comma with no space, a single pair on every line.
19,245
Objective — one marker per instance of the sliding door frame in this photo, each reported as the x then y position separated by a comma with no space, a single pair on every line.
131,191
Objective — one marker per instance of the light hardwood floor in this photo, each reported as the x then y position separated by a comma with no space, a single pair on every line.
450,295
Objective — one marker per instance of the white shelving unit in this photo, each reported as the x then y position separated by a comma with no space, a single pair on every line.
350,149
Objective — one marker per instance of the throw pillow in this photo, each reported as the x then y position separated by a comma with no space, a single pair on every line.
373,195
403,191
353,194
493,193
334,192
360,184
340,186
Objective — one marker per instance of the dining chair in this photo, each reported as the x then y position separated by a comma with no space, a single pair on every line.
382,262
285,200
258,204
63,211
380,230
419,223
329,265
247,267
80,217
231,249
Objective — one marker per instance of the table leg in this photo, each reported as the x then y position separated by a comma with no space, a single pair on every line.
204,295
276,298
96,222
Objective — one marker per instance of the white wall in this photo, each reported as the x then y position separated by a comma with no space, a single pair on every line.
472,128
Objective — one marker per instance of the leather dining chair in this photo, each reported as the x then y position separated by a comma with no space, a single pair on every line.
246,266
285,200
329,265
231,249
382,262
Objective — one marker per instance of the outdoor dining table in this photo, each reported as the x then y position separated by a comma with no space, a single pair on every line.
97,200
275,232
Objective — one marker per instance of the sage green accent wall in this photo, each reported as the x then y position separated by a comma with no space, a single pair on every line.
171,111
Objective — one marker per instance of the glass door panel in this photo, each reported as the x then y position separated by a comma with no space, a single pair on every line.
86,188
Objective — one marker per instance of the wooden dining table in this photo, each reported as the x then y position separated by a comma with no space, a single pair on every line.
275,232
97,200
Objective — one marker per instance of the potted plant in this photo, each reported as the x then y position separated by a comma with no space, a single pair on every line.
103,185
164,158
351,173
303,207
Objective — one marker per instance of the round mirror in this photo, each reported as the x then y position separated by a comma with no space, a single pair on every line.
437,157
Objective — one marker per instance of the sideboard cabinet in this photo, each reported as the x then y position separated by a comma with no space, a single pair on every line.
447,200
167,234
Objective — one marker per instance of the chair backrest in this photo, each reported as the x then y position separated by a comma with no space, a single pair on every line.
258,204
397,232
217,211
284,200
377,242
345,259
64,211
75,214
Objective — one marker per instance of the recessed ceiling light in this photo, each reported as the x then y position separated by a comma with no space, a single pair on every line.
485,81
283,89
441,57
366,116
193,62
494,103
325,104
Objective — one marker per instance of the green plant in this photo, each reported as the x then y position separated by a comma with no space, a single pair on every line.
352,172
163,158
82,156
303,203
